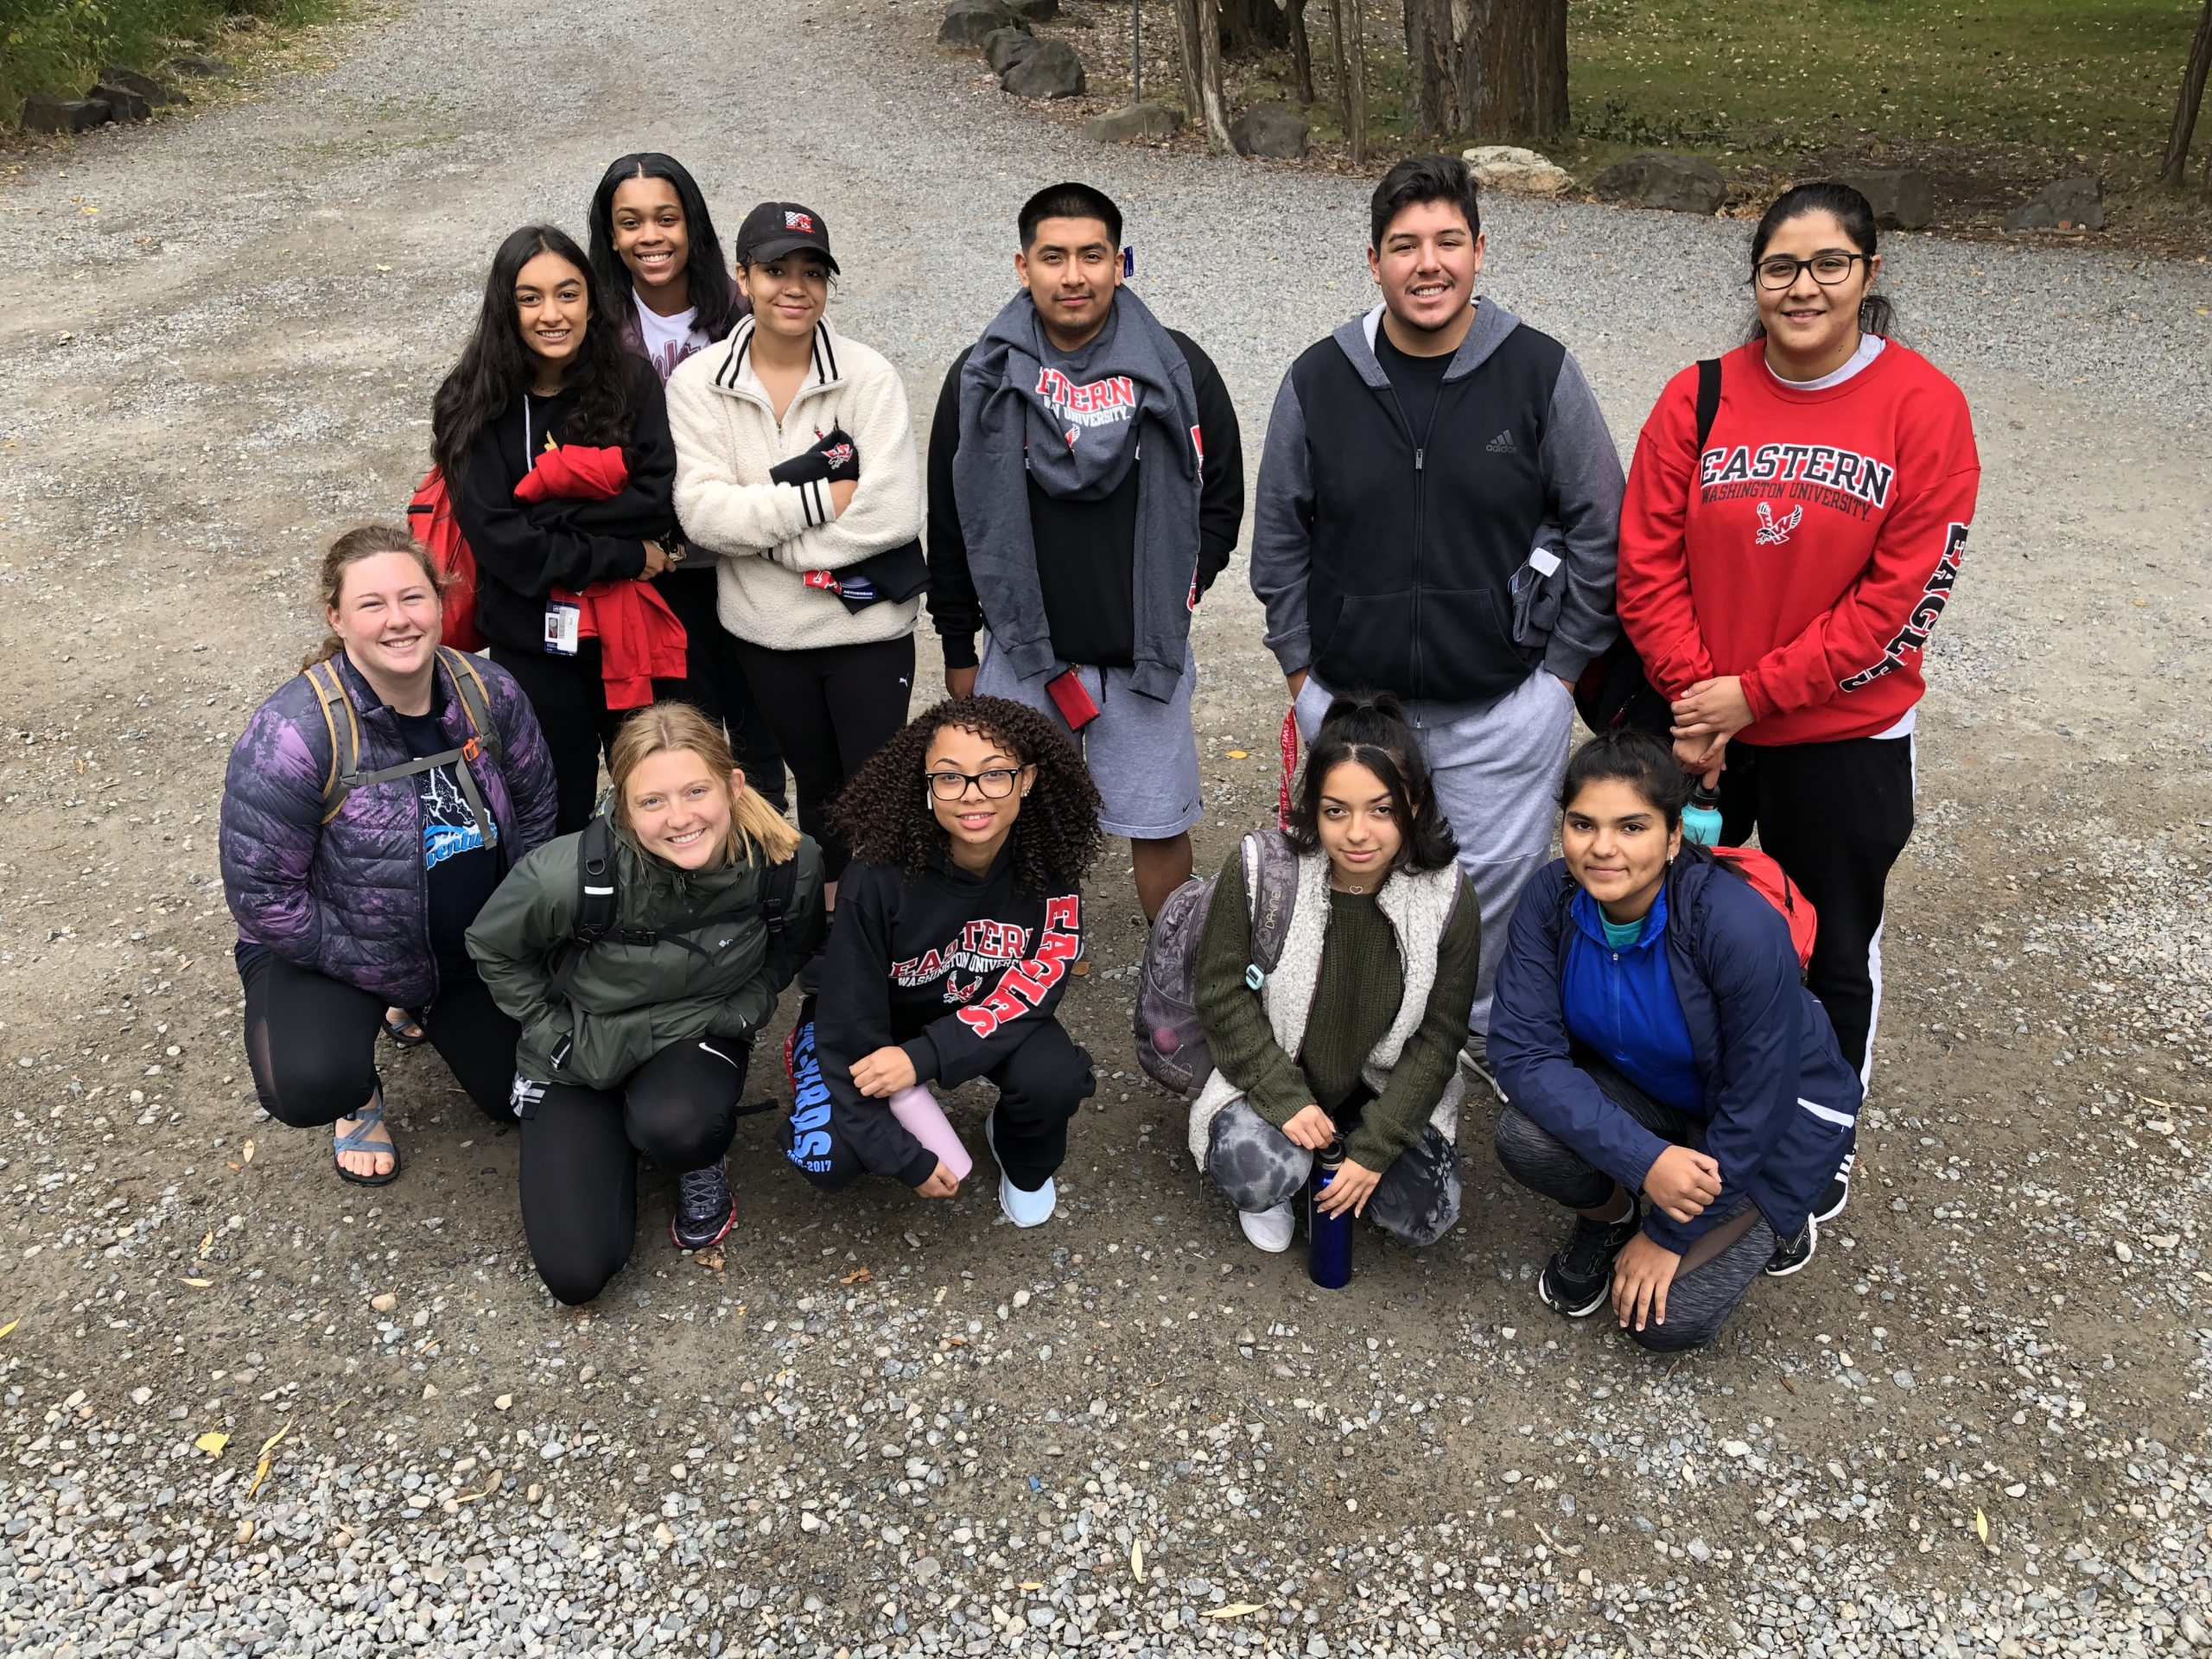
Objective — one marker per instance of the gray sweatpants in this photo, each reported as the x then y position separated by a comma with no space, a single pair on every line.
1497,771
1259,1167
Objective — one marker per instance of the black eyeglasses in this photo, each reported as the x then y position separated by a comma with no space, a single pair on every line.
994,785
1829,266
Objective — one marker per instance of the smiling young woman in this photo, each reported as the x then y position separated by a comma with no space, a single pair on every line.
638,1039
1787,542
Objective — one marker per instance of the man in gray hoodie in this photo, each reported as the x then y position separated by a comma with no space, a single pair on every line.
1438,501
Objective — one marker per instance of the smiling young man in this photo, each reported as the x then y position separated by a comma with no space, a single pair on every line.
1438,505
1083,565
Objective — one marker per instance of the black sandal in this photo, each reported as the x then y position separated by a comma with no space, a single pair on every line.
405,1029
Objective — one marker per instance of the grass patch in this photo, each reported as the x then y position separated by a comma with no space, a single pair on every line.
59,46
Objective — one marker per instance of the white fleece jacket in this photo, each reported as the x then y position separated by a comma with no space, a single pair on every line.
766,535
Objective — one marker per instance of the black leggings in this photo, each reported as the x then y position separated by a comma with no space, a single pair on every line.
1835,816
717,687
311,1041
831,708
569,699
580,1151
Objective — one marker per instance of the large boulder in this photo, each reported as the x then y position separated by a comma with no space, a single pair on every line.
1659,178
1051,71
1273,129
44,112
1007,47
2062,204
1507,167
971,23
1035,11
122,104
1145,120
145,86
1903,199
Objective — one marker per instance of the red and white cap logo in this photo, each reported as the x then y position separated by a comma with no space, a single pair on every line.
796,221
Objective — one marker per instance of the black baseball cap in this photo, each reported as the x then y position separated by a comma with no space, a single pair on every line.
776,228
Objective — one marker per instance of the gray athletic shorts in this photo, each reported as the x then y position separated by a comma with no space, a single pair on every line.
1143,754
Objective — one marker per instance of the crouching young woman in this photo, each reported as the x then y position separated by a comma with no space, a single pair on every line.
1654,1036
639,1007
1355,1034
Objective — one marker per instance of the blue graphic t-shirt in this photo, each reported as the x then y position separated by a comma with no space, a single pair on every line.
462,869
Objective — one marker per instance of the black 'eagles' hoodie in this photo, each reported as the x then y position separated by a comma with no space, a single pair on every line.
958,970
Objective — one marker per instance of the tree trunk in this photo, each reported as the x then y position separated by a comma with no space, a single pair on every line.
1513,69
1301,51
2174,168
1199,28
1354,69
1343,78
1428,51
1252,26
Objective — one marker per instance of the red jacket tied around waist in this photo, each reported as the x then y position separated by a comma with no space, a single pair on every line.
1808,547
639,639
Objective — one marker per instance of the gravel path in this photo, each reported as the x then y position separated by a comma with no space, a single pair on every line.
880,1426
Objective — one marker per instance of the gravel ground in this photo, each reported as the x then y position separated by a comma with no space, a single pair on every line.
1974,1427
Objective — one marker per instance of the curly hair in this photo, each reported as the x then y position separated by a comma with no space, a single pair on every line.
1369,728
883,815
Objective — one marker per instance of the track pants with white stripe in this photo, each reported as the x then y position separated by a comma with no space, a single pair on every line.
1835,816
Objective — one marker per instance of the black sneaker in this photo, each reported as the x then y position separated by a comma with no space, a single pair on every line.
1832,1201
704,1208
1794,1253
1577,1281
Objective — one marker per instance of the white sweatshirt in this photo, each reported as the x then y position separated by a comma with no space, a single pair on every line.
767,535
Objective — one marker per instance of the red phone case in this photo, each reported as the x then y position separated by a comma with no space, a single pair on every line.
1071,699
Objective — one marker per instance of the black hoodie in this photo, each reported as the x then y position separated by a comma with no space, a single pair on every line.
956,970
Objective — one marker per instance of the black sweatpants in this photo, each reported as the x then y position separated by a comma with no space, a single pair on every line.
1041,1085
1835,816
831,708
580,1151
311,1041
1702,1298
716,685
569,699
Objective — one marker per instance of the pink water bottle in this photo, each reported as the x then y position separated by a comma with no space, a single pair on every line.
917,1109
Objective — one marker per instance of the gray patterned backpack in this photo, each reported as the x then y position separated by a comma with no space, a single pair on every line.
1171,1044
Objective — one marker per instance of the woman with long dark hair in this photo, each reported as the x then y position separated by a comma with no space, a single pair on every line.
1657,1047
1794,522
971,830
545,373
1355,1035
655,256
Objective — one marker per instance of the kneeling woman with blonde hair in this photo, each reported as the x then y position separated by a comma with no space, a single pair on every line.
640,955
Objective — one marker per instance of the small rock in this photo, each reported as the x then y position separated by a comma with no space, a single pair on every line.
1904,1380
384,1301
503,1402
971,23
197,66
1509,167
1658,178
1699,1550
43,112
1736,1448
1007,47
1271,130
2120,1248
1903,199
122,104
1051,71
2062,204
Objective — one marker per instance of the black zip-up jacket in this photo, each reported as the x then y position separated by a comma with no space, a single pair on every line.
1401,560
1086,562
956,970
527,548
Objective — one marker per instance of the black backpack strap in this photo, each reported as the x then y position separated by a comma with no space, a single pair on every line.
597,898
778,886
1709,398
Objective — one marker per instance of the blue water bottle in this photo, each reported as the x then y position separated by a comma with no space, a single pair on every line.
1328,1239
1701,817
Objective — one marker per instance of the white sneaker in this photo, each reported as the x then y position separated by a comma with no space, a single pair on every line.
1022,1208
1271,1231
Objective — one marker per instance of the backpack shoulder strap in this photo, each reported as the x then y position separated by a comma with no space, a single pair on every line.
475,698
1271,890
339,720
596,897
778,882
1708,397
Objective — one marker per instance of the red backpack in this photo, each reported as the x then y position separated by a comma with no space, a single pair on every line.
430,516
1768,879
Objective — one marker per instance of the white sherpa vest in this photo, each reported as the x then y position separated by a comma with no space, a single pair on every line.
1418,906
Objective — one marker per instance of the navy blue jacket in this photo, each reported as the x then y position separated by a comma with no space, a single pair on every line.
1780,1107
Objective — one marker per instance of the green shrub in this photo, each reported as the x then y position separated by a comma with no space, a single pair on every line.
59,46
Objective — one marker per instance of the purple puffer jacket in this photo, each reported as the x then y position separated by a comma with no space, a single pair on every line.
351,898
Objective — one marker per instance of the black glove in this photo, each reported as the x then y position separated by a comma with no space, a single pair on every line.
804,467
841,454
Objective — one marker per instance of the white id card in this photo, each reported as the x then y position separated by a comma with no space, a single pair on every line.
561,616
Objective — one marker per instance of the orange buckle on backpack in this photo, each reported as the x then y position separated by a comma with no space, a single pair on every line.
471,749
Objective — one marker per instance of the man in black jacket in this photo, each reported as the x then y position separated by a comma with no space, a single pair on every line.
1438,504
1043,528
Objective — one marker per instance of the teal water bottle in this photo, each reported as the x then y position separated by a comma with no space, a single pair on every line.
1701,817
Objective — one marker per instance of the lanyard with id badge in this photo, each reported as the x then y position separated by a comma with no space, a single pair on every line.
563,617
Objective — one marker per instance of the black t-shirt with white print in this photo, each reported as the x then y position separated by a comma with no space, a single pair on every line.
462,867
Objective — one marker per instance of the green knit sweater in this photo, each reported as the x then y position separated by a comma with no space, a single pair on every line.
1355,1002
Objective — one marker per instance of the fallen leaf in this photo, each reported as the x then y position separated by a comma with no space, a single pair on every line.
1235,1609
11,1324
384,267
858,1276
490,1487
1981,1526
232,1168
199,1284
212,1442
710,1258
1137,1561
1034,1585
261,1468
1240,754
207,1243
246,1156
1787,1384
